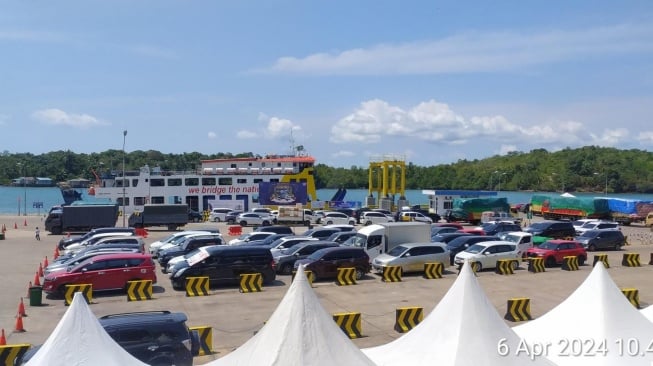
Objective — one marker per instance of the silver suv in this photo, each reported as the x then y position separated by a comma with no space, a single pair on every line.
374,217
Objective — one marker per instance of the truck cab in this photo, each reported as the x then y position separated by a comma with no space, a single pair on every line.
377,239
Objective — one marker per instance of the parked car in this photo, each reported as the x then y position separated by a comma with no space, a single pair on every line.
325,262
341,237
140,333
341,227
279,229
497,227
77,258
188,245
268,240
321,232
460,243
174,238
231,217
286,258
411,257
224,264
336,217
447,237
103,272
175,245
289,241
487,254
597,225
243,239
374,217
195,216
449,224
219,214
254,219
66,241
602,239
553,251
552,229
580,222
76,247
435,230
414,216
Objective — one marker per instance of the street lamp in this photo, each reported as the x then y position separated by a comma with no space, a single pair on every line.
606,181
500,175
20,165
124,137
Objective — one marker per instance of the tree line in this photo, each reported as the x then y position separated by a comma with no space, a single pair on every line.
585,169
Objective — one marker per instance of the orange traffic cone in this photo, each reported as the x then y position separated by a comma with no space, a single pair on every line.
40,270
28,287
21,308
3,339
25,223
37,282
45,262
19,324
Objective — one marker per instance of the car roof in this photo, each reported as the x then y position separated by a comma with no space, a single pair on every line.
429,244
121,255
495,242
214,249
342,248
146,317
561,241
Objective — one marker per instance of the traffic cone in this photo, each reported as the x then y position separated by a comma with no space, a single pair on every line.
25,223
19,324
3,339
21,308
37,282
15,225
45,262
40,270
28,287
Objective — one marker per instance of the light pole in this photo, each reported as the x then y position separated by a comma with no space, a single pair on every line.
500,175
124,137
24,178
606,181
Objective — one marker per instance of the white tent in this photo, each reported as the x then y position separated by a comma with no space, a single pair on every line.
595,317
299,333
567,194
464,329
79,340
648,312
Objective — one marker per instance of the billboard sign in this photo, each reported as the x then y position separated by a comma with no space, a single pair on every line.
282,193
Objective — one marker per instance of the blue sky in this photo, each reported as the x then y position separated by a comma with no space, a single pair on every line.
429,81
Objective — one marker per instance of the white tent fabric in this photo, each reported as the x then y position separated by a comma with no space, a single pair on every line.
595,317
79,340
567,194
464,329
299,333
648,312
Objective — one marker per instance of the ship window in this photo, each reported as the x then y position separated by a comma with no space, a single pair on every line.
258,180
225,181
208,181
139,201
241,180
278,164
119,201
233,166
134,182
174,182
274,180
192,181
159,200
119,182
157,182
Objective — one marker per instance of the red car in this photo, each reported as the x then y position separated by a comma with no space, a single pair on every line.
450,224
472,231
103,272
553,251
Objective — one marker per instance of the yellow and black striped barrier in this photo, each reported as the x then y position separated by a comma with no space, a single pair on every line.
346,276
392,274
10,352
197,286
85,288
350,323
139,290
407,318
251,282
474,265
433,270
632,294
570,263
506,266
206,339
536,264
631,260
601,258
309,276
519,309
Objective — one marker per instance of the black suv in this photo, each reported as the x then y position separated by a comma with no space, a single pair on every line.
153,337
552,229
278,229
225,264
186,246
602,239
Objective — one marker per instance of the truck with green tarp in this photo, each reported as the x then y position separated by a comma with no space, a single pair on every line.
571,208
471,209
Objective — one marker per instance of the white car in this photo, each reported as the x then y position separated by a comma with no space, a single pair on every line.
487,253
374,217
173,238
335,217
412,256
414,216
219,214
180,240
247,237
596,225
254,219
74,248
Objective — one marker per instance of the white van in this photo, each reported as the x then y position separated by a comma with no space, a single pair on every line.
218,214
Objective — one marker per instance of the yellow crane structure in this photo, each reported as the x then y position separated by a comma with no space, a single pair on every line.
387,177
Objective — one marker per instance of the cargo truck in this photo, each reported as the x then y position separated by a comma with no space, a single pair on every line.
380,238
294,215
81,218
171,216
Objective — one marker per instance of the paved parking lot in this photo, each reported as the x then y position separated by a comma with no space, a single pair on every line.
236,316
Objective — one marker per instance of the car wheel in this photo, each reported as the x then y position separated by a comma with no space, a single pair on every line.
265,223
196,220
286,269
359,274
329,222
243,223
514,264
591,248
581,260
217,219
617,246
477,267
550,262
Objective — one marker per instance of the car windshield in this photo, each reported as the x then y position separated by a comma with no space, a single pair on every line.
539,225
316,255
476,248
589,225
489,226
356,241
590,234
397,251
511,237
292,249
548,245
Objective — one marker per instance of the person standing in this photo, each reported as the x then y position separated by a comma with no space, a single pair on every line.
37,234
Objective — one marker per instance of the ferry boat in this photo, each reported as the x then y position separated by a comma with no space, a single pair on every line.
239,183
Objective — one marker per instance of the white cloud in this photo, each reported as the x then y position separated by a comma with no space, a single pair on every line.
212,135
645,137
473,52
54,116
504,149
244,134
610,137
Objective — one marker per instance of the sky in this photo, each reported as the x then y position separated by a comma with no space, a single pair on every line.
428,82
